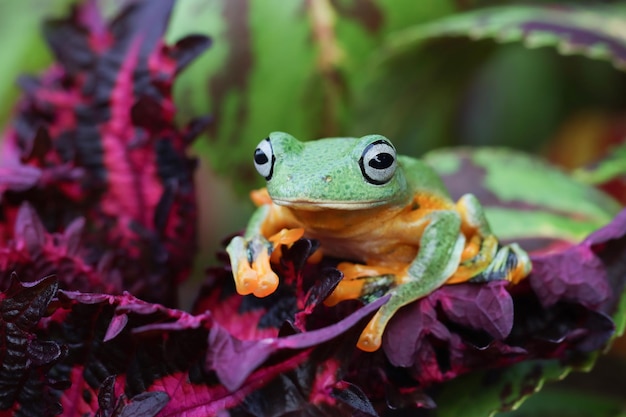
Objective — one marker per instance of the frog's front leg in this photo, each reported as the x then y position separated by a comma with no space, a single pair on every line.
250,254
250,258
441,245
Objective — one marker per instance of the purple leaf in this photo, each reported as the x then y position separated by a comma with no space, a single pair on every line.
583,280
589,273
353,396
147,404
72,235
487,307
407,330
18,177
116,326
107,400
614,230
187,49
234,360
44,352
29,228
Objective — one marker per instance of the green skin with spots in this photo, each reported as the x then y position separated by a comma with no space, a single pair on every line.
323,185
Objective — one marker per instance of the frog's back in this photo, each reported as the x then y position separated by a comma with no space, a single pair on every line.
421,178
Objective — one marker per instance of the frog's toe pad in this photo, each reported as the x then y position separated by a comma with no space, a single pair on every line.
246,279
372,336
266,284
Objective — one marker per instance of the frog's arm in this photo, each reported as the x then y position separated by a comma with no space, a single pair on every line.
250,254
441,246
249,257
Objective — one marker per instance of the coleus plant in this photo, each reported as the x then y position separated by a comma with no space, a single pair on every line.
93,143
98,227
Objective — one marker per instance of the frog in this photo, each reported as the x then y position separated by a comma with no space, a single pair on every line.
387,217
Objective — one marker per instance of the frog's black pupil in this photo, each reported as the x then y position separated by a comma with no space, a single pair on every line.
260,157
382,160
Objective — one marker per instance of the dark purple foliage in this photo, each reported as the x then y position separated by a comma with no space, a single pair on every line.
24,357
146,404
233,360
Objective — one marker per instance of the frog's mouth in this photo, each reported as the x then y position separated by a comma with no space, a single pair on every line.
314,205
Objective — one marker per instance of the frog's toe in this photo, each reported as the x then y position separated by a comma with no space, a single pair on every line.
266,284
372,336
246,279
265,280
510,263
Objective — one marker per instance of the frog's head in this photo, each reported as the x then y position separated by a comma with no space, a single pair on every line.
337,173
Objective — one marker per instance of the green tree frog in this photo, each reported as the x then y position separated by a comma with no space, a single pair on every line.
389,215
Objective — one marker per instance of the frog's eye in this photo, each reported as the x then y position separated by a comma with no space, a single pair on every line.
378,162
264,159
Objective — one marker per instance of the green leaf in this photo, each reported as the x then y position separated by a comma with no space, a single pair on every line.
481,394
478,78
275,65
23,47
568,403
528,197
612,167
524,197
591,32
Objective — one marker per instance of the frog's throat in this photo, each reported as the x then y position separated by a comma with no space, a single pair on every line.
313,205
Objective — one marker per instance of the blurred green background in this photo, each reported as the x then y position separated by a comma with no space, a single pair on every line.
543,77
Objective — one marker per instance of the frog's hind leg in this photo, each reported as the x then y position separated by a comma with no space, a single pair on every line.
441,246
482,245
484,259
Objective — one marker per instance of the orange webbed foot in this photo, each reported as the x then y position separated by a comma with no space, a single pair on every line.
252,272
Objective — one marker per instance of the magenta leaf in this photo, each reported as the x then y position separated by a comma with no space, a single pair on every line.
140,359
233,360
29,228
152,366
94,137
34,253
116,326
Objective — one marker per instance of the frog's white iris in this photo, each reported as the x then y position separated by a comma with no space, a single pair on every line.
378,162
264,159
